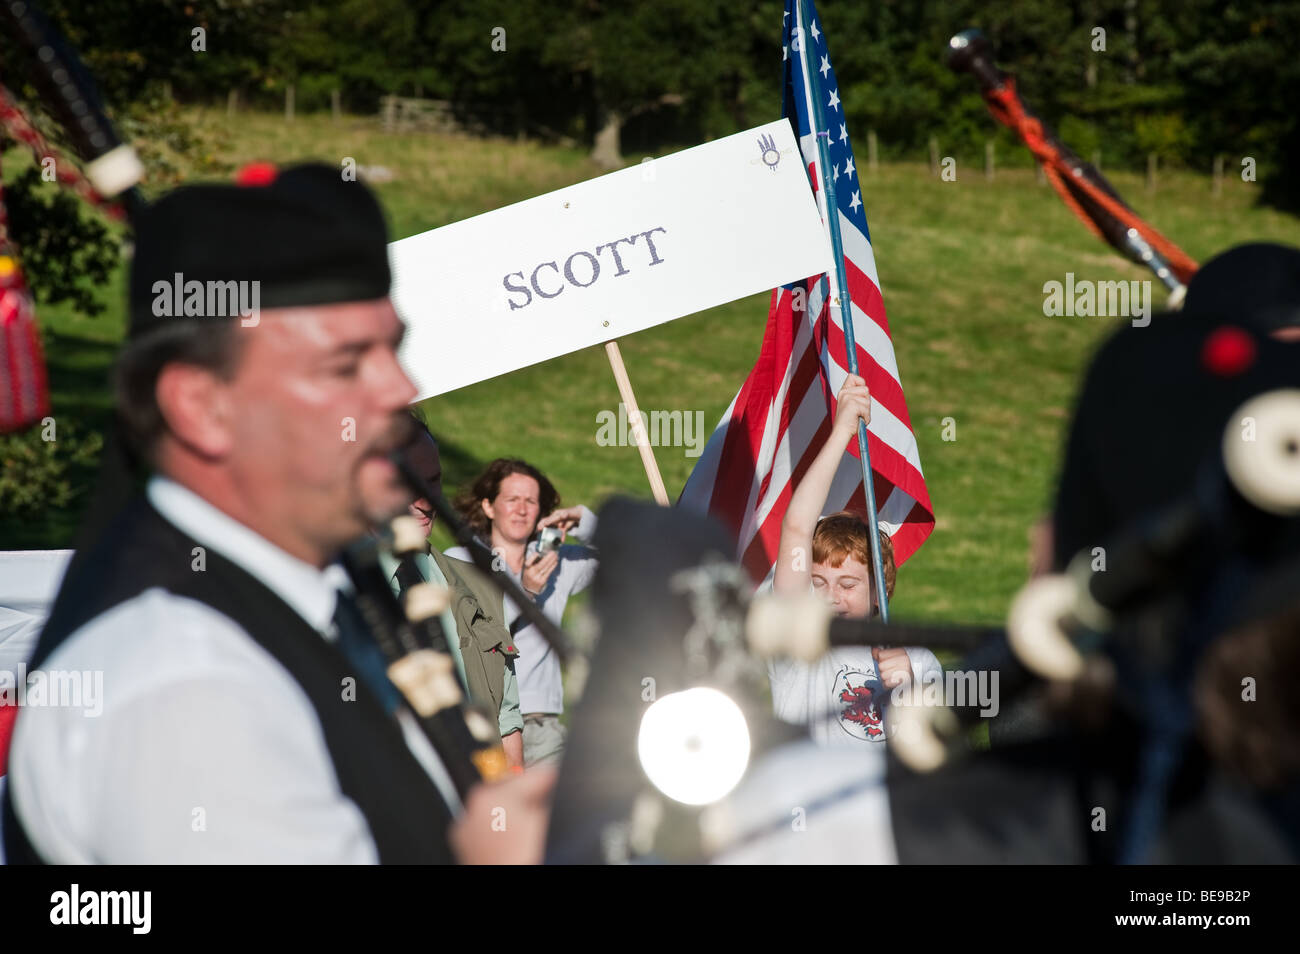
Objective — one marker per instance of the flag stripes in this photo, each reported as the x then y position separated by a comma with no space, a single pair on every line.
782,414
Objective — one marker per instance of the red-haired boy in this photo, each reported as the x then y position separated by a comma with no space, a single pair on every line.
842,696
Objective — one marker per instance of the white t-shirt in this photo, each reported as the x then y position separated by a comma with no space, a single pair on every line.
840,697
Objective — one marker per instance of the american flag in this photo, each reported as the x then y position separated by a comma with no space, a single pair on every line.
782,415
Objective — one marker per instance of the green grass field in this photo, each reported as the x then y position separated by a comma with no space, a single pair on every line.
962,266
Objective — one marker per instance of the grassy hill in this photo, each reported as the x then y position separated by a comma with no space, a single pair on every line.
962,266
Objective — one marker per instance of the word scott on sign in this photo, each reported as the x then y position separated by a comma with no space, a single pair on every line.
588,268
604,259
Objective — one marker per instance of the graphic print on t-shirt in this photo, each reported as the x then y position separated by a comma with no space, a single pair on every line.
856,697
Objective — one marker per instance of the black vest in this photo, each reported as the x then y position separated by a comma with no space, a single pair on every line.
407,816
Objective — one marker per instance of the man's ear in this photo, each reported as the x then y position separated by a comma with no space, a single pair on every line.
195,404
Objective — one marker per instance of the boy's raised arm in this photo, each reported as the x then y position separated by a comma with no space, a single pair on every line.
794,555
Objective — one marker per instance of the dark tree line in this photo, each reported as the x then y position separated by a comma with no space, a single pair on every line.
1184,79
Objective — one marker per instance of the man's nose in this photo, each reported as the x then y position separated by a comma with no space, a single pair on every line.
395,388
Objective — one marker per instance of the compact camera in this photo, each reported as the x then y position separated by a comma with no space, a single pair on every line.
549,540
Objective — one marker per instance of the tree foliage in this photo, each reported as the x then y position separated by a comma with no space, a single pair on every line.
1184,79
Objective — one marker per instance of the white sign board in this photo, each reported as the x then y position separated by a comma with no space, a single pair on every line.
606,258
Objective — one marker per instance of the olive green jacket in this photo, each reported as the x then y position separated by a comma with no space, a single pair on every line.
486,646
485,650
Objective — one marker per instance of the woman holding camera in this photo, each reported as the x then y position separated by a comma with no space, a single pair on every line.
509,503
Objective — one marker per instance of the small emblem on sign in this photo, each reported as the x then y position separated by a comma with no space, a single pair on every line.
768,145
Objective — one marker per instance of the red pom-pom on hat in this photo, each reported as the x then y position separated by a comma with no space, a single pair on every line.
257,174
1228,351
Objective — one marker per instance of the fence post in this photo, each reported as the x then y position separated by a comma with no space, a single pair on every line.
232,102
934,156
1218,175
988,159
288,103
873,161
336,107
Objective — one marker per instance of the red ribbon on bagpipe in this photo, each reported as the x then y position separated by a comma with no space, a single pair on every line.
24,388
24,385
1005,105
67,92
1083,189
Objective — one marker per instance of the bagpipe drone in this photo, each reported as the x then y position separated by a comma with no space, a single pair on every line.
111,172
1080,185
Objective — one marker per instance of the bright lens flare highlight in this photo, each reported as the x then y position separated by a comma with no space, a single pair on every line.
694,745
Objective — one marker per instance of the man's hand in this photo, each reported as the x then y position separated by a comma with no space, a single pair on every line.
566,519
895,666
853,402
505,823
538,572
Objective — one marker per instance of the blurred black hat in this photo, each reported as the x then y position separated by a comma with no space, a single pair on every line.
1257,284
304,233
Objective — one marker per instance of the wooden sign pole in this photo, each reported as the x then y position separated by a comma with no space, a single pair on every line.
636,424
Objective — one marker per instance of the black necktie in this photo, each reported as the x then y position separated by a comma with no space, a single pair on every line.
408,575
359,646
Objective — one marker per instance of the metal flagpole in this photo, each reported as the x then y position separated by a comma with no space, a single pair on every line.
840,287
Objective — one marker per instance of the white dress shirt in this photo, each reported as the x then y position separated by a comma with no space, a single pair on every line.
207,749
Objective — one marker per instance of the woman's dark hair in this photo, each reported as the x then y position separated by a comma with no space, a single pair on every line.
488,485
211,344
